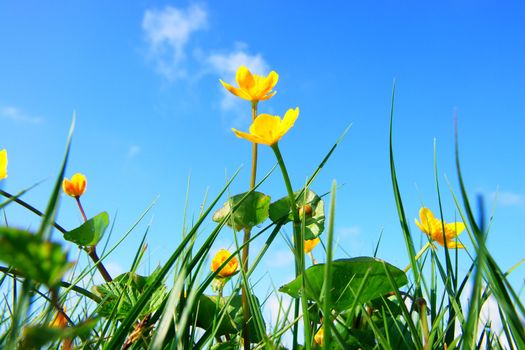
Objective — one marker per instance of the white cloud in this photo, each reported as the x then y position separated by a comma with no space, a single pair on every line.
508,199
19,116
350,231
225,65
133,151
168,32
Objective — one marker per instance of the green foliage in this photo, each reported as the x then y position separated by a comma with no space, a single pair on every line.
348,276
90,232
42,261
309,205
120,295
251,210
36,337
209,315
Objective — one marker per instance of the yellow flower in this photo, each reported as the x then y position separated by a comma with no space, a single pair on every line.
319,337
253,87
433,227
3,164
229,269
268,129
310,244
76,186
60,321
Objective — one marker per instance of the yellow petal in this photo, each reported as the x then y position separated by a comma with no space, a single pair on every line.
426,217
229,269
246,136
237,92
454,245
267,96
310,244
289,119
244,78
454,229
76,186
3,164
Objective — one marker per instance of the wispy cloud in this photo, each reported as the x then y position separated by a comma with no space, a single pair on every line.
168,32
507,198
133,151
350,231
225,65
17,115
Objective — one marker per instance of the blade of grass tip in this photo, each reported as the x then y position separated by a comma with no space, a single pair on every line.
325,159
47,221
495,276
451,278
376,249
168,314
140,253
399,204
29,207
11,198
327,283
120,334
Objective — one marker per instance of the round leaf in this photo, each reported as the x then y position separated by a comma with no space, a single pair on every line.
309,204
348,276
90,232
247,210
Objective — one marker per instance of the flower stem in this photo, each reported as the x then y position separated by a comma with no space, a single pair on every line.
299,252
246,239
81,208
418,255
92,251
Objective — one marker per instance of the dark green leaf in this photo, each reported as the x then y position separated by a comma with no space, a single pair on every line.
39,260
309,204
348,276
209,314
90,232
252,209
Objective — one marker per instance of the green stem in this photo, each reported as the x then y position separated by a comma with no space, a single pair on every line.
299,252
418,255
246,240
92,251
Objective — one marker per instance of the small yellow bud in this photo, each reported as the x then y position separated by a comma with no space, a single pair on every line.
76,186
229,269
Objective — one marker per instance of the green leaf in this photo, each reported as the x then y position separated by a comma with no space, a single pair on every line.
252,209
36,337
122,293
209,310
42,261
309,204
90,232
348,277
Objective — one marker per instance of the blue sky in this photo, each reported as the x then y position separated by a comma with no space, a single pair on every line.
143,78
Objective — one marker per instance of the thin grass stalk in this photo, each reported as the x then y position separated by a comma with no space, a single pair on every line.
327,283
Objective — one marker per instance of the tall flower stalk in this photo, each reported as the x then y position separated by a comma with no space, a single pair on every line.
75,188
268,130
254,88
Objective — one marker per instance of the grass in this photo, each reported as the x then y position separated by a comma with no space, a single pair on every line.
359,303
